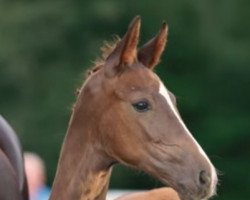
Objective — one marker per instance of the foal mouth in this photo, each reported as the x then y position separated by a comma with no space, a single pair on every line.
190,191
186,194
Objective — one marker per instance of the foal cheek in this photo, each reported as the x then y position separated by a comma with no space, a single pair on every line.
125,146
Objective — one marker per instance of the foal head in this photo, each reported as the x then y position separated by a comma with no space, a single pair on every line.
137,121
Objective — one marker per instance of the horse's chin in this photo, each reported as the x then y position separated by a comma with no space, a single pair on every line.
187,195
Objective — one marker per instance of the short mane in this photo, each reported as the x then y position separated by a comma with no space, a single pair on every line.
106,49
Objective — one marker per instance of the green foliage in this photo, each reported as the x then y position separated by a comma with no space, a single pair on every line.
45,46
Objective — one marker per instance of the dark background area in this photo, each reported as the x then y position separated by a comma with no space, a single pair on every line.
45,47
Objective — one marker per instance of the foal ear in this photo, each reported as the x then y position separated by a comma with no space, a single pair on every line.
125,52
151,52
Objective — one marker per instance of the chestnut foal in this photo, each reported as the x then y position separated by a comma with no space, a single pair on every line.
124,114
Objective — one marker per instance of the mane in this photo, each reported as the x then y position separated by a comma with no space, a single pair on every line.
106,49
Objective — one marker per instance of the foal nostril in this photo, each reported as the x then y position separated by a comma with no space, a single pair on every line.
204,178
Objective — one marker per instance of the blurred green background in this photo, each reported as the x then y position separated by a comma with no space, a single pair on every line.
45,47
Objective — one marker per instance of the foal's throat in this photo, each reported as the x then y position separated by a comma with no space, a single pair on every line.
83,171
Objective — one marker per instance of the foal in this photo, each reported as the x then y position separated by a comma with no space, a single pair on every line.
124,114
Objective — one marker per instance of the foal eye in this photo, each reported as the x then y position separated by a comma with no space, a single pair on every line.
141,106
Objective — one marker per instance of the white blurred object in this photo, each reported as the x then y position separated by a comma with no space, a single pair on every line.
113,194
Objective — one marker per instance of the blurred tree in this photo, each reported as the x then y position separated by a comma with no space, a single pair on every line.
45,46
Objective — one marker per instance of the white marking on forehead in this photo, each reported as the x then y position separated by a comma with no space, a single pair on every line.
164,92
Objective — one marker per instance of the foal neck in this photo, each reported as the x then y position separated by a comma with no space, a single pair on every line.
84,169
